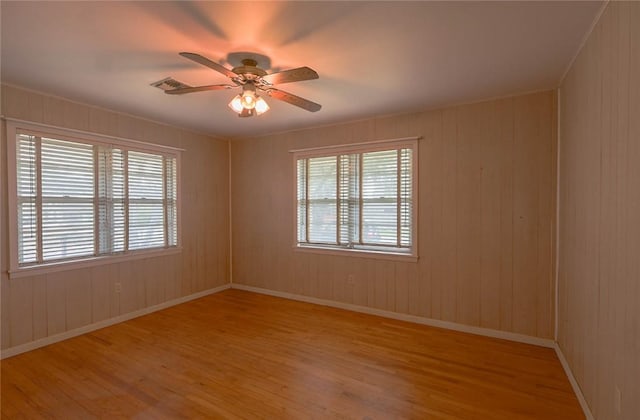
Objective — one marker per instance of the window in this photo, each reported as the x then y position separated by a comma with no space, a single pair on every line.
357,197
79,198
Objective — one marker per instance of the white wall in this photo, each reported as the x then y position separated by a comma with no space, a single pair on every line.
486,217
599,263
41,306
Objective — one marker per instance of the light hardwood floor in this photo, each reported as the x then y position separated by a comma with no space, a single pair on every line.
237,354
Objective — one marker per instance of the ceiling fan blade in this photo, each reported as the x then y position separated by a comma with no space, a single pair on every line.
293,75
208,63
180,91
294,100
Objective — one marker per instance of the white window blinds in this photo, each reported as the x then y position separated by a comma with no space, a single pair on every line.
362,198
27,189
67,199
322,200
77,199
146,200
112,215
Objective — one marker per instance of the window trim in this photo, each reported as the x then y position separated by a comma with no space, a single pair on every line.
361,147
15,126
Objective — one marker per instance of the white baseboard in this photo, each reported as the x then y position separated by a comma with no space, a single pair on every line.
12,351
520,338
574,383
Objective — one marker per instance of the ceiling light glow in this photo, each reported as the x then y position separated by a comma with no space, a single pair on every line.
261,106
236,104
248,100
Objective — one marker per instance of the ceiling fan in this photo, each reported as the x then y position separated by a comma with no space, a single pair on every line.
253,80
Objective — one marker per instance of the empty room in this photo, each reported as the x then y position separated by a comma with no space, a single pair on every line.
316,209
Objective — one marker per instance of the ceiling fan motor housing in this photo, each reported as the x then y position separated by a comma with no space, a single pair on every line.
249,68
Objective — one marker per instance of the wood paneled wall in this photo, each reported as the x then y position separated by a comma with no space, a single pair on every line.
40,306
599,270
486,217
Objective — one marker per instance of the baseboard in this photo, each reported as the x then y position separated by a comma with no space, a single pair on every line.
520,338
12,351
574,383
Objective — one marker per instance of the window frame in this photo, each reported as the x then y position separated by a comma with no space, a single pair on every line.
15,127
352,148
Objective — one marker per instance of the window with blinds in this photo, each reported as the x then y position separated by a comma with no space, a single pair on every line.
357,197
79,199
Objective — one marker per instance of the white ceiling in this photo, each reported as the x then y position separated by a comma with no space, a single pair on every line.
373,58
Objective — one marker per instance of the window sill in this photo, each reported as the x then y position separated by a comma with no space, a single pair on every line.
53,267
358,253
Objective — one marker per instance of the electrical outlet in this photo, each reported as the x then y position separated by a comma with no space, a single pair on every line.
617,400
118,287
350,279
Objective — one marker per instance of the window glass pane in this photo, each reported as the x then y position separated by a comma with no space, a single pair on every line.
349,199
302,200
379,197
118,221
67,199
172,201
67,228
27,233
322,199
145,224
67,169
361,199
26,189
111,197
406,194
146,204
77,199
145,176
26,165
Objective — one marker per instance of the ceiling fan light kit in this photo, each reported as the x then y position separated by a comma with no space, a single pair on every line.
248,103
252,79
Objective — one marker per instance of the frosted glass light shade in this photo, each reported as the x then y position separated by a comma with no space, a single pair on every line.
236,104
261,106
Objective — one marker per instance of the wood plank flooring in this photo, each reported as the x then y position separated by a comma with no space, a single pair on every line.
237,354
